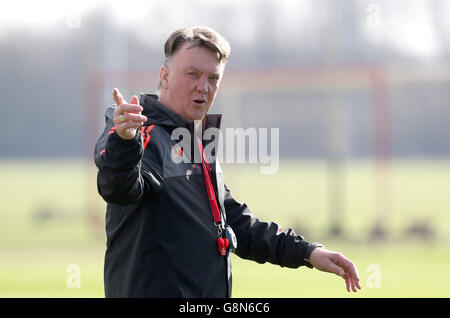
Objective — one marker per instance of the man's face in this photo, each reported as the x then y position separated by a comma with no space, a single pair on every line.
191,81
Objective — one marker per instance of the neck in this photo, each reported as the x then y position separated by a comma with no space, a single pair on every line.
165,101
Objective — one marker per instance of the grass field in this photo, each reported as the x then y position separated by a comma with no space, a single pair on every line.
51,217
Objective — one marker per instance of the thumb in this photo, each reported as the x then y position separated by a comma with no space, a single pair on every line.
336,269
134,100
326,261
340,272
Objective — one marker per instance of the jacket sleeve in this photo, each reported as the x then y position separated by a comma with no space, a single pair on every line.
121,179
265,241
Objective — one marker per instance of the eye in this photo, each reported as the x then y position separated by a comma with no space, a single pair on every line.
214,78
193,74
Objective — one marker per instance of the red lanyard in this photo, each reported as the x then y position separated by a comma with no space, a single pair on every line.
222,243
209,187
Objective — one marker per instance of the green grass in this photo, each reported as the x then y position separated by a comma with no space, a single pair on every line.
43,272
51,217
405,271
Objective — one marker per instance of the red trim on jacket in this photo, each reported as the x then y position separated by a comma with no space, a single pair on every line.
145,131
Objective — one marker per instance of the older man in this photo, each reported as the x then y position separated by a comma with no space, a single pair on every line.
172,224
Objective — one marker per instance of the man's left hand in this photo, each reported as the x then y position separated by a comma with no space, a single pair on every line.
333,262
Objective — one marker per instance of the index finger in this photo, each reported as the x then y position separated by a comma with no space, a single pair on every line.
352,274
349,267
117,96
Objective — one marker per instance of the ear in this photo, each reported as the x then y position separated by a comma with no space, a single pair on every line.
163,76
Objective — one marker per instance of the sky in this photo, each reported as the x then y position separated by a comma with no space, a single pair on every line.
405,25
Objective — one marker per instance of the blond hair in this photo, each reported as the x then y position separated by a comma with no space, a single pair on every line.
199,36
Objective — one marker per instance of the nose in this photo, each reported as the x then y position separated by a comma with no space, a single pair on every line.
203,85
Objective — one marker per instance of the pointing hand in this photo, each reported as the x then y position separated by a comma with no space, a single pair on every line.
127,117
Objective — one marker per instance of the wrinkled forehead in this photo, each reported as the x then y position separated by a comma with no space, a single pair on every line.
190,55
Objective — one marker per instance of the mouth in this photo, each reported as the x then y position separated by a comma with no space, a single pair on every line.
199,102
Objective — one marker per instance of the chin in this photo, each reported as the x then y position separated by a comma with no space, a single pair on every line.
197,115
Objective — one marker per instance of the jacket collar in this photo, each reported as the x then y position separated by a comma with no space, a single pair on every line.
159,114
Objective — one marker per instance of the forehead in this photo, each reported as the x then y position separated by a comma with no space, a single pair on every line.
189,56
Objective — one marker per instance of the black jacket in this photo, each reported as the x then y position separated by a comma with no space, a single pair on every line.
161,239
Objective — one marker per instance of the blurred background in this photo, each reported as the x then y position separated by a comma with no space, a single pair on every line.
360,92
